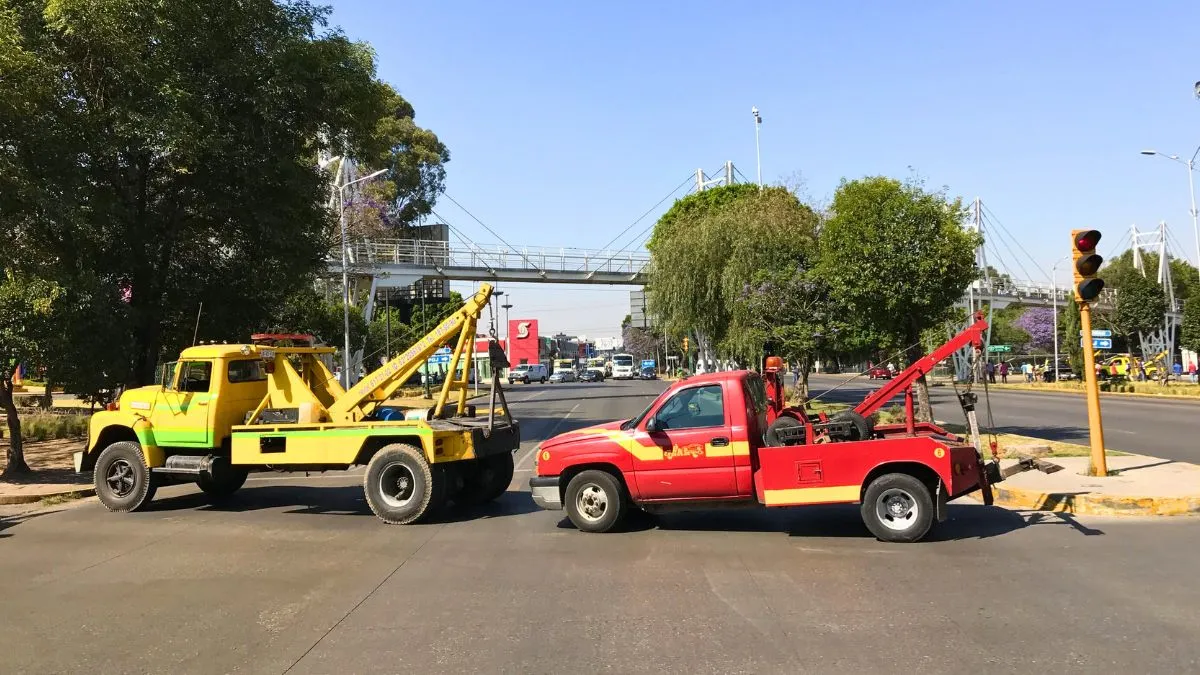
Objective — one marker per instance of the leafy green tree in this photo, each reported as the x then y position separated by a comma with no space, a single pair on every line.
897,258
169,151
688,252
1140,306
1072,325
1189,335
27,307
1183,275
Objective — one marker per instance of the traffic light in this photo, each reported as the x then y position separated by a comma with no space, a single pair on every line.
685,343
1086,264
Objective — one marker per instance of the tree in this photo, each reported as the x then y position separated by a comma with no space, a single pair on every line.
688,251
168,151
1140,307
1072,329
27,307
1189,334
1038,324
897,258
1183,275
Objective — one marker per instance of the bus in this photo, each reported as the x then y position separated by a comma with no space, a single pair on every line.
564,364
623,367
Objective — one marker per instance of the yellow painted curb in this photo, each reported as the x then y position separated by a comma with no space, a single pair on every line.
1087,503
82,491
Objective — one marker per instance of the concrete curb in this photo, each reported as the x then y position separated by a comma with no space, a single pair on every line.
81,491
1087,503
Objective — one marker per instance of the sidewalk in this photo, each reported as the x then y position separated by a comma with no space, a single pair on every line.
1138,485
53,474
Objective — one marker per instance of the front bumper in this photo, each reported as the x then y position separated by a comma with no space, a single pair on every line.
545,492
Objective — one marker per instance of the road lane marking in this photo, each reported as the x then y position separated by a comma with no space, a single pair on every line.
536,447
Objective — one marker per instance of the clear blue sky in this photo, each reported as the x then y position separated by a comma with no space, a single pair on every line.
566,121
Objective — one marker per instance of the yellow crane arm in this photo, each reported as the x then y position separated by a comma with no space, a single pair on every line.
382,384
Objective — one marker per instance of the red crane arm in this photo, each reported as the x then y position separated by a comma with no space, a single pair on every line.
972,334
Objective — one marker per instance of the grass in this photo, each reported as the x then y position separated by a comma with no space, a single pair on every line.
1172,390
55,500
38,427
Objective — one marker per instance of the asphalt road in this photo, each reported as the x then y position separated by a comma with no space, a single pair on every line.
295,576
1157,427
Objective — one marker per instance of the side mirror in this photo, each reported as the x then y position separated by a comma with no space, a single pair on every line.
651,425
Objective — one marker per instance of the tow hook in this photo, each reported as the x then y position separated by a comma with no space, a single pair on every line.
995,474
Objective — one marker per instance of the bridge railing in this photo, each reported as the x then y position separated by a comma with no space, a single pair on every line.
532,259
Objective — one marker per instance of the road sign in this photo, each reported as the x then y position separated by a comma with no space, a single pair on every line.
440,358
443,350
1099,332
1099,343
648,363
993,349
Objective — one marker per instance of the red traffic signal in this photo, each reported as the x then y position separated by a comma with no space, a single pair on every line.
1086,240
1087,264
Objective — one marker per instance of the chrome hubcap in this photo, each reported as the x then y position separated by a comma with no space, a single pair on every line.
397,485
592,502
897,509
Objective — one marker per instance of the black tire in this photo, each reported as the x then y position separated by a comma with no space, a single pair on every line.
897,508
486,479
596,501
861,428
401,486
223,478
543,380
123,480
772,437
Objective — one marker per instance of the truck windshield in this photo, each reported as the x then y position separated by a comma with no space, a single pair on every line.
633,422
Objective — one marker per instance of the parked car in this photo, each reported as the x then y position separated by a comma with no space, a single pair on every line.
528,372
562,376
648,374
591,376
879,373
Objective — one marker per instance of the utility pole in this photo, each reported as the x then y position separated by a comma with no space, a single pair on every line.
757,145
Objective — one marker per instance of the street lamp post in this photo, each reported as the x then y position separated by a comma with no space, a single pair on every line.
757,147
346,272
1054,295
1191,169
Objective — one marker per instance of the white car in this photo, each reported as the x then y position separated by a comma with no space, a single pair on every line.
563,376
528,372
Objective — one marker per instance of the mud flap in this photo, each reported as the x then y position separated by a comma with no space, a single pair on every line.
940,502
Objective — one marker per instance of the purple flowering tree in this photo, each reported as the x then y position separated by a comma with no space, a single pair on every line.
1039,323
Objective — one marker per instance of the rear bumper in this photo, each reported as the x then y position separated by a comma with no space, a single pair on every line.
545,492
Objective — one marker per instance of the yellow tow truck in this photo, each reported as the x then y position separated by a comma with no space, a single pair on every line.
222,411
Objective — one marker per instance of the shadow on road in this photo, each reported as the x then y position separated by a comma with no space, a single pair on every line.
343,500
16,519
835,520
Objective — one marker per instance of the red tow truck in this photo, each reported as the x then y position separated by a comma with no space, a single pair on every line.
725,439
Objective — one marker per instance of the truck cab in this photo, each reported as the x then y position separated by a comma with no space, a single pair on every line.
704,443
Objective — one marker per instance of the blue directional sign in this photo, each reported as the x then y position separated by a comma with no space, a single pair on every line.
443,350
648,363
1099,343
440,358
1099,333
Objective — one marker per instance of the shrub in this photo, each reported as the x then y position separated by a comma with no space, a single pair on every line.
50,427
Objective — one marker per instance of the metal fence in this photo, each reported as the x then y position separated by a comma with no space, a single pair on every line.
531,259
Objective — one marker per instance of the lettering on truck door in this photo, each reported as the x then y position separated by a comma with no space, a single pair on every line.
689,454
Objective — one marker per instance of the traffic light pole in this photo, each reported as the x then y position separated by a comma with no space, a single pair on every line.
1099,464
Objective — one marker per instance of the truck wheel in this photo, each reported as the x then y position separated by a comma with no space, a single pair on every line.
772,435
897,508
595,501
123,481
401,486
861,428
487,480
223,479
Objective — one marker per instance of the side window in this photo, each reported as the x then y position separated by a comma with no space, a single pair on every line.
693,408
195,376
251,370
758,394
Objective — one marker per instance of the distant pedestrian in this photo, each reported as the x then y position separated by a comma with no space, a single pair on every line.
1192,371
1003,372
990,368
1177,371
1027,371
